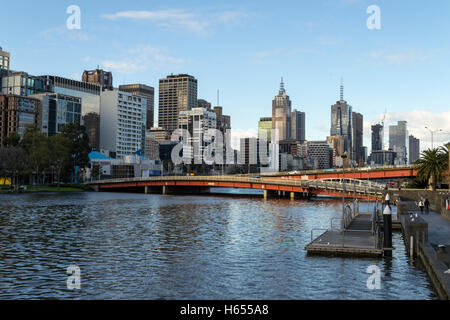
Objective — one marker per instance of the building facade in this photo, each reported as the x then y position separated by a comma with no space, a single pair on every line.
122,123
281,113
23,84
322,154
383,157
147,92
265,129
398,141
176,93
357,136
151,147
196,121
341,122
57,110
5,60
377,137
89,94
414,149
16,114
99,77
298,125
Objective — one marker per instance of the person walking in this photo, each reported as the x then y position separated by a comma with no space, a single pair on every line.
421,205
427,206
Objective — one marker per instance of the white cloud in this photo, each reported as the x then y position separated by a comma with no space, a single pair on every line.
402,57
143,58
180,19
62,33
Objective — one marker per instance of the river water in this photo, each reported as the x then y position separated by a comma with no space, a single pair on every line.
135,246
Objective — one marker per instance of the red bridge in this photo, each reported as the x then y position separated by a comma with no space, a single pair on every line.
272,186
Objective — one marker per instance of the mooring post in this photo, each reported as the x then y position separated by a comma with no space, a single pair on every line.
387,226
411,247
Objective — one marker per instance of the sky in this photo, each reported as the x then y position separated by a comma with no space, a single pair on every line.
243,48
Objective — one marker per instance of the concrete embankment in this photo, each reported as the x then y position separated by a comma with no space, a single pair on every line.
427,236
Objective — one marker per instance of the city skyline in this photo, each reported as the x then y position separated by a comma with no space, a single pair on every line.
217,54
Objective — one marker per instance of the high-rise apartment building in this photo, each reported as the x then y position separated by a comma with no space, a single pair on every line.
357,136
5,60
398,141
176,93
99,77
281,113
57,110
414,149
122,123
298,125
265,128
377,137
147,92
341,122
196,121
16,113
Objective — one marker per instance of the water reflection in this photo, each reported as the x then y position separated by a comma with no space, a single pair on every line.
133,246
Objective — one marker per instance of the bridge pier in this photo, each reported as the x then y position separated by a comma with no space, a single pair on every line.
269,194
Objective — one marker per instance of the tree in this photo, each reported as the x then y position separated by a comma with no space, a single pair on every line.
12,140
431,166
59,147
36,145
13,163
79,145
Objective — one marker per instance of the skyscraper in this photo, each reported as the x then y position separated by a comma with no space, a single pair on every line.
357,135
147,92
99,77
176,93
341,122
281,113
377,137
398,141
414,149
298,125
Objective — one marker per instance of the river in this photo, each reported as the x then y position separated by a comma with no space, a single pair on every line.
136,246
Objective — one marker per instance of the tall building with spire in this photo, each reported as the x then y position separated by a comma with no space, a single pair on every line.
342,123
281,113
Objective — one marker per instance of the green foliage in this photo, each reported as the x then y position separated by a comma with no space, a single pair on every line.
79,143
12,140
59,147
431,166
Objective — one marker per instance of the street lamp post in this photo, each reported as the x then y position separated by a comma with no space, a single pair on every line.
432,132
343,191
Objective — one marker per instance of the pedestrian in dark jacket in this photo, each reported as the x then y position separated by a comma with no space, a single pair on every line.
427,206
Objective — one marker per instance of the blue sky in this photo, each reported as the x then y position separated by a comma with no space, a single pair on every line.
244,47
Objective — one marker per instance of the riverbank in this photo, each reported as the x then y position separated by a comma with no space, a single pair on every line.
51,188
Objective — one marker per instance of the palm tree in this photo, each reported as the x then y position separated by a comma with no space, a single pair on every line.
431,166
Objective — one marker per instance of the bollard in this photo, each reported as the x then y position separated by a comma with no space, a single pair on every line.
411,247
387,226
